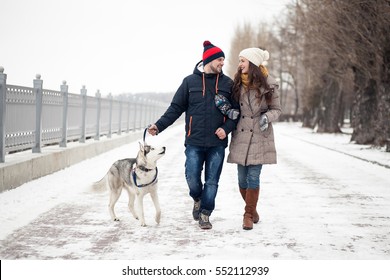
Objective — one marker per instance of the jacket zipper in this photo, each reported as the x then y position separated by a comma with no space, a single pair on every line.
189,127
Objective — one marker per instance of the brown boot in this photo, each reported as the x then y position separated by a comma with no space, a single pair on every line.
255,215
252,195
247,222
243,193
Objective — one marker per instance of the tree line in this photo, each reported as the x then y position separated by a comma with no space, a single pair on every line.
332,59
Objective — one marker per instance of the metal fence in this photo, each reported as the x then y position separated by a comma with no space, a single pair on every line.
31,118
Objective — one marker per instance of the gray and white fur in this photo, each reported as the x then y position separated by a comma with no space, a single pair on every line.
138,176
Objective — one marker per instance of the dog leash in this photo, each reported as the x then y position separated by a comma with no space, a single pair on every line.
146,129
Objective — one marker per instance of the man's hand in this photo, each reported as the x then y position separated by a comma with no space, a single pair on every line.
220,133
152,129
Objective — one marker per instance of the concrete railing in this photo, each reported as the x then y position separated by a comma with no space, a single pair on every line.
43,131
31,118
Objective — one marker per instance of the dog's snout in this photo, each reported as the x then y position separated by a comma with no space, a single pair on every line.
163,151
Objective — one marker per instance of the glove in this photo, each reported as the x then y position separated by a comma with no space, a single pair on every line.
233,114
263,122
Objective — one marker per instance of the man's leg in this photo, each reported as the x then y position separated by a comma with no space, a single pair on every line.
213,168
193,170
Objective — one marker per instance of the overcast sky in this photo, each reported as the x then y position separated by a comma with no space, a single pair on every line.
118,46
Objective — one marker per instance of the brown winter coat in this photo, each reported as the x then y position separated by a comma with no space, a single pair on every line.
250,146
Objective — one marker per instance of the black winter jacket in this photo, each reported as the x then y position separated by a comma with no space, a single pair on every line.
195,97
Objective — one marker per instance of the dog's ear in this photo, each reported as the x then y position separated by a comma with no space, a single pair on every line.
146,149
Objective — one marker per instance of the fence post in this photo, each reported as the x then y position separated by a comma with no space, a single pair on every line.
3,93
110,117
138,104
38,84
144,112
128,115
153,110
99,102
134,102
64,91
83,93
121,100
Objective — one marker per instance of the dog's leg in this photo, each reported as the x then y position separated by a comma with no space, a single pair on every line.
114,196
131,202
140,202
156,203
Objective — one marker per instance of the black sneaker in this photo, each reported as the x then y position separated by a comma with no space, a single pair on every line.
204,222
195,210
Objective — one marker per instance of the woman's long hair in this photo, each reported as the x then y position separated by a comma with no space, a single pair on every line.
256,80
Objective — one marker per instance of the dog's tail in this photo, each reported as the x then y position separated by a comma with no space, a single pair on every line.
100,186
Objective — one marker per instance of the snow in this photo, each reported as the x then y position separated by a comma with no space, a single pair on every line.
326,199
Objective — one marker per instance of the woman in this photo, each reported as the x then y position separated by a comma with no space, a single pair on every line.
252,143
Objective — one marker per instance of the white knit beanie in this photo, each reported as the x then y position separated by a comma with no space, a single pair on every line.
255,55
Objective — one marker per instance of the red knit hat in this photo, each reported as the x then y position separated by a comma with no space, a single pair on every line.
211,52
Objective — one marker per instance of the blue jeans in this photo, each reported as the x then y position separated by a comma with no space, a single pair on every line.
249,176
212,158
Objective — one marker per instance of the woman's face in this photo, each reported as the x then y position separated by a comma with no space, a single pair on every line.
243,64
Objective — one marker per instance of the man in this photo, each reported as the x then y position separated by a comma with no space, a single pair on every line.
206,129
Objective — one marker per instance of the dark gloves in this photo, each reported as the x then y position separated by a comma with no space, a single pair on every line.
263,122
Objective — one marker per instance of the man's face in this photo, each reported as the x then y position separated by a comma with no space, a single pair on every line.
217,64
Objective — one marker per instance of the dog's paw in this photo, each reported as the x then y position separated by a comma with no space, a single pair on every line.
158,218
143,223
135,216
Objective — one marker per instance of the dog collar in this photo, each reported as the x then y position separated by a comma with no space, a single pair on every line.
144,185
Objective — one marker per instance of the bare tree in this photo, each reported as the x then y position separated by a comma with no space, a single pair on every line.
244,37
291,70
342,35
371,65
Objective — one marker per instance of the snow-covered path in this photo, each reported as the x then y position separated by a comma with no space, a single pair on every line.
316,203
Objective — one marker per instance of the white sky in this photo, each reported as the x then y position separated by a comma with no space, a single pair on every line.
117,45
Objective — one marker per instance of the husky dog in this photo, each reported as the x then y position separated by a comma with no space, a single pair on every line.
138,176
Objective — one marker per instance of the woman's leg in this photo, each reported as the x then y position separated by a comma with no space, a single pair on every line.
252,194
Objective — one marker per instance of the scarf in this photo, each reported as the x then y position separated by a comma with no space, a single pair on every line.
245,79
